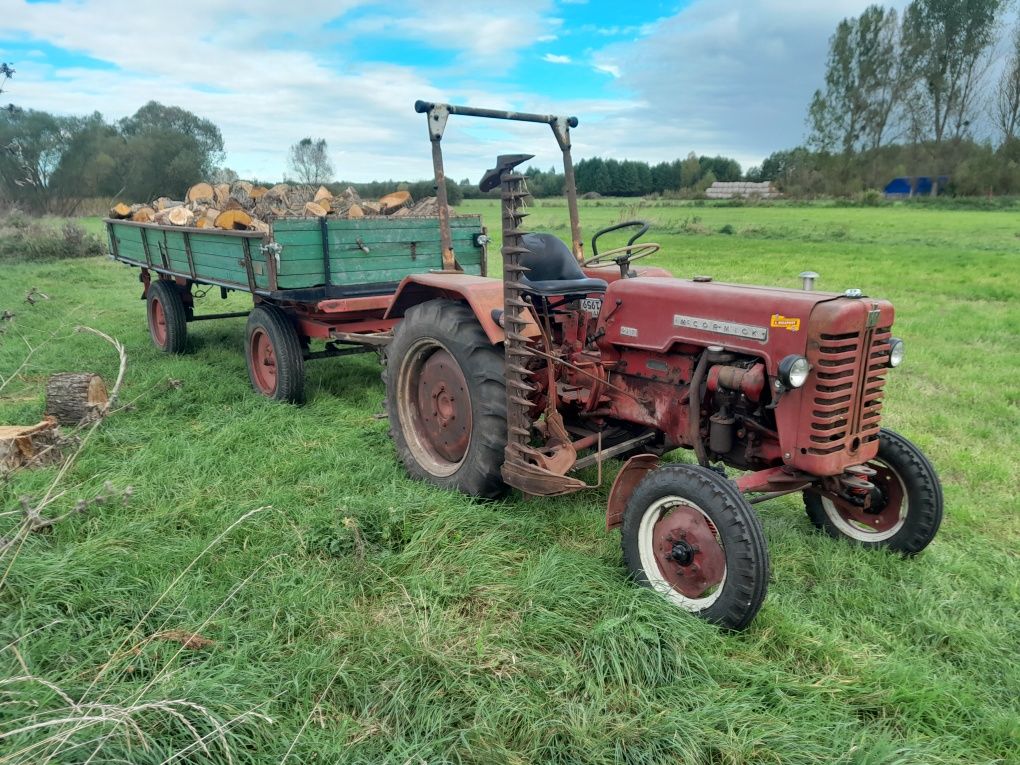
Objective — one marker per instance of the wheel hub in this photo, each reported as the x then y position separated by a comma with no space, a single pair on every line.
444,406
688,552
884,510
264,361
158,323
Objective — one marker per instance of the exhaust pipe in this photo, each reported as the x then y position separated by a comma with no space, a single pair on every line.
808,277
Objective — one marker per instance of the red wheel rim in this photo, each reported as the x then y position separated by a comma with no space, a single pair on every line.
879,518
263,361
688,552
442,407
157,322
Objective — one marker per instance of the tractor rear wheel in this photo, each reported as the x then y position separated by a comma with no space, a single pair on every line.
446,399
272,348
689,534
906,506
167,315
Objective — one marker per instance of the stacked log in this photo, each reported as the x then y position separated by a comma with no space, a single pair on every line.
243,206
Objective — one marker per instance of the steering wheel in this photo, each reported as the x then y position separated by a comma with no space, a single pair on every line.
621,256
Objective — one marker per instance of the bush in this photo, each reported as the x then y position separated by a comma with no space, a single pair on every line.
24,238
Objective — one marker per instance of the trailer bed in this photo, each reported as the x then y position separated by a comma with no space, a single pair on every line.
301,259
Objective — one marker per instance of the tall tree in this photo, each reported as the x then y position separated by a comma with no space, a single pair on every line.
863,84
32,144
945,46
309,161
167,150
1006,108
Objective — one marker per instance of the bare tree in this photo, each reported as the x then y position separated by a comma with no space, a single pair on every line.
1006,109
309,161
946,45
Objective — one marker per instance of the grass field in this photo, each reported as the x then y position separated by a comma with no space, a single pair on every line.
373,619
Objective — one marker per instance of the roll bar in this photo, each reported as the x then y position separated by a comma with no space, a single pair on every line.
437,115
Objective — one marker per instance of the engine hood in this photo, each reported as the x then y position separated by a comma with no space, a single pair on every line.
658,313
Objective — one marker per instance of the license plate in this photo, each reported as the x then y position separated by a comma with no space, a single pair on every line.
592,306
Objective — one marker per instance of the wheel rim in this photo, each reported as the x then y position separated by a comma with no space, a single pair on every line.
263,361
878,523
434,407
157,322
682,554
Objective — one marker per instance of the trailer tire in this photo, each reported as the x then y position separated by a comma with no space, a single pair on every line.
912,502
167,316
446,399
272,349
689,534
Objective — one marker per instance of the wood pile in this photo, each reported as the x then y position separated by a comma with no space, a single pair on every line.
242,206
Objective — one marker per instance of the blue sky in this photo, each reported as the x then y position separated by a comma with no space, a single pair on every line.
649,80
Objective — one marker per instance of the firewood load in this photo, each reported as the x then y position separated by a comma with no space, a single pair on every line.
243,206
75,397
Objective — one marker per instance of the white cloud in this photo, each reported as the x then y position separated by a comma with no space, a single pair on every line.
727,76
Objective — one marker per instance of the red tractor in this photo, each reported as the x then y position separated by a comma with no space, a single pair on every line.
569,361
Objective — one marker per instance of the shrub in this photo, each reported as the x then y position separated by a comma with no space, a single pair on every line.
728,230
24,238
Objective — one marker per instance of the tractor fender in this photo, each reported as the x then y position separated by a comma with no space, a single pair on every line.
630,475
483,295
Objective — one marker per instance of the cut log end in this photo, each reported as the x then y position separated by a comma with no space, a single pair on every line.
29,445
233,220
74,397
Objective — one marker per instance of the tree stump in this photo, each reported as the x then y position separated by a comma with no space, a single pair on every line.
29,445
72,397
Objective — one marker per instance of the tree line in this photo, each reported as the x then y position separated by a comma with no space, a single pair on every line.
48,162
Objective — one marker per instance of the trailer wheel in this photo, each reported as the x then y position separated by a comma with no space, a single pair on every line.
276,363
446,398
167,315
690,535
906,509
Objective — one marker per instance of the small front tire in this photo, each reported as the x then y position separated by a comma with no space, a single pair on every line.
689,534
907,505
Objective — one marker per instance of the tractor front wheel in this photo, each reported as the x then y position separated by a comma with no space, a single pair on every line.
168,317
276,362
446,399
689,534
906,503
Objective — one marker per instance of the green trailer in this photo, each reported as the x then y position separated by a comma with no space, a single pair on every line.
311,279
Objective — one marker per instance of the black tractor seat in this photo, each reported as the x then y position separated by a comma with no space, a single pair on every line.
554,270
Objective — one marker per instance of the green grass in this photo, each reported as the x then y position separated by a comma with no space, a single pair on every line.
375,619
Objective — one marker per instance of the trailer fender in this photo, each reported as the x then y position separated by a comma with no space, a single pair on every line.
483,295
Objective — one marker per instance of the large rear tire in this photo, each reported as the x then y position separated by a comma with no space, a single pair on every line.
167,316
689,534
272,348
446,399
906,509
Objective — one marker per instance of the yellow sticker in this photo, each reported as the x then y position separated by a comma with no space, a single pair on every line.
784,322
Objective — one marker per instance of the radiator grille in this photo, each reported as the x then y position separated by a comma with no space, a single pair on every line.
846,402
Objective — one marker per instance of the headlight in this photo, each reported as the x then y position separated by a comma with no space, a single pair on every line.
793,371
896,351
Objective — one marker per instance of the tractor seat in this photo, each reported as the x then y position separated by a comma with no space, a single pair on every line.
554,269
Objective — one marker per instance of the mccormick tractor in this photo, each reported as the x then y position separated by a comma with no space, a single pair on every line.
568,361
572,360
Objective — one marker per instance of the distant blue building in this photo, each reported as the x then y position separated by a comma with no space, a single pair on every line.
915,186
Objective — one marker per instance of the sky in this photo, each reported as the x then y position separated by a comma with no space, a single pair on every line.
649,80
